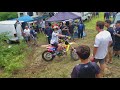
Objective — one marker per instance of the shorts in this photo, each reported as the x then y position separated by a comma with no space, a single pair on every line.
101,61
27,38
116,47
55,45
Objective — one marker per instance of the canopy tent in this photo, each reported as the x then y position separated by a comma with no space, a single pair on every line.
25,18
77,13
61,16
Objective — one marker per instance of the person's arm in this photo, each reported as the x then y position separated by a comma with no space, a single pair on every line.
110,42
97,68
117,34
96,45
98,75
65,29
74,73
94,51
60,35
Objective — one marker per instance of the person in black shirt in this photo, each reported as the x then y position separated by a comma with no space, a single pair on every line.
108,58
65,30
71,30
117,39
86,69
48,32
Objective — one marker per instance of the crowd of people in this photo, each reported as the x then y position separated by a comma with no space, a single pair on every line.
106,44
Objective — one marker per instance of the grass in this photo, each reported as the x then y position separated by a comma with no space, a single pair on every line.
61,67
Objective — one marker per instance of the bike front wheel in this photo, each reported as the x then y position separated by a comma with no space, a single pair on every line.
74,55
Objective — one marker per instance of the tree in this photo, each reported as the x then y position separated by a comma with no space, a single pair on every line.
7,15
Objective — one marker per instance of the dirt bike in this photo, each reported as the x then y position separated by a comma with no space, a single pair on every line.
51,52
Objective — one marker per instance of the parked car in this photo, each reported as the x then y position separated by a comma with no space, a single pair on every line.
117,17
86,15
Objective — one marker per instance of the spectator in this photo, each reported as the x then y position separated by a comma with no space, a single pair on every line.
61,25
33,35
97,14
114,14
116,47
40,26
106,15
59,30
86,69
81,28
65,30
71,30
102,40
108,58
27,34
43,25
48,32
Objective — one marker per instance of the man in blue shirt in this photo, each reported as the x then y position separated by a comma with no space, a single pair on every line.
81,28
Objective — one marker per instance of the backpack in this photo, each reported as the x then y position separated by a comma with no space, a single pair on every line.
87,72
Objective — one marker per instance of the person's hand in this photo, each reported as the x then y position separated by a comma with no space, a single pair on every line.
92,58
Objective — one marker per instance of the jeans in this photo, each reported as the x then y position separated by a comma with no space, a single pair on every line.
49,38
72,36
80,33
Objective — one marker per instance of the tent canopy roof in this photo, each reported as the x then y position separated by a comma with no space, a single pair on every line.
61,16
25,18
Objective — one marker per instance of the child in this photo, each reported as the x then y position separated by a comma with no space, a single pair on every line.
86,69
55,38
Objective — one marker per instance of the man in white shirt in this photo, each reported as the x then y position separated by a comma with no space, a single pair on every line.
43,25
102,40
27,34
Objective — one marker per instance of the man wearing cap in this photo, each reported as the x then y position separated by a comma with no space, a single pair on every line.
117,39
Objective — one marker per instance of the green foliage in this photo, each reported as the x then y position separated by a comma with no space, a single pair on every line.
11,56
7,15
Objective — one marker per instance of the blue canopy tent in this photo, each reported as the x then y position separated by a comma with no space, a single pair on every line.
25,18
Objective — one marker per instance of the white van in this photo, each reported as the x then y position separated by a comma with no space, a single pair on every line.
86,15
14,30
